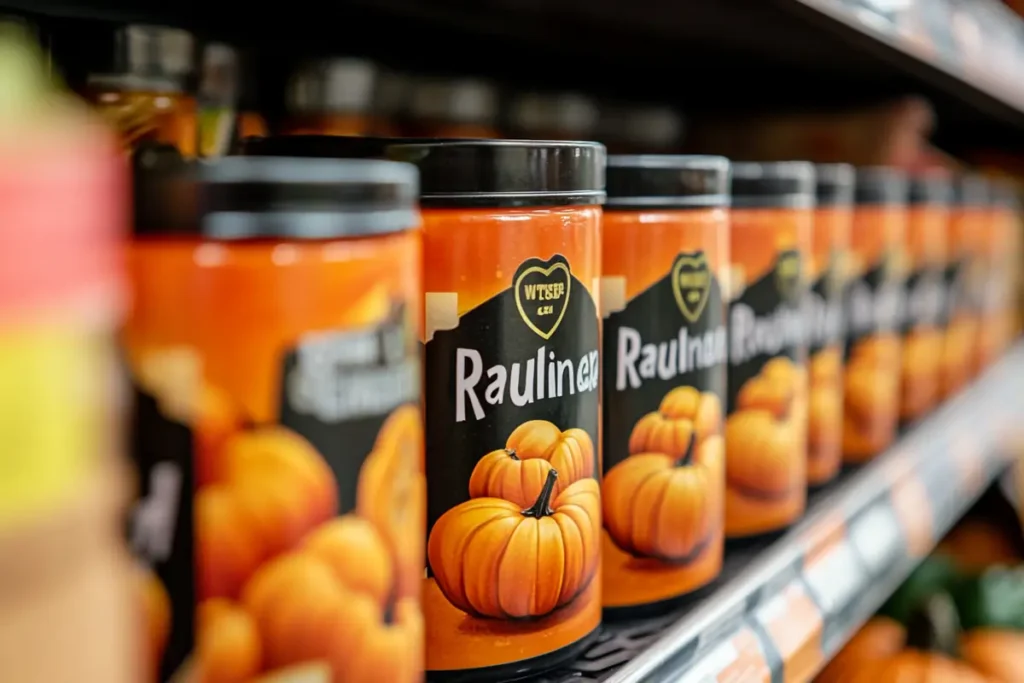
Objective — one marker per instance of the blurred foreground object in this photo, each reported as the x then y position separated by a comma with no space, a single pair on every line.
65,610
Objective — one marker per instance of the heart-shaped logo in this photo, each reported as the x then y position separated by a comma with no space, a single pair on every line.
542,293
788,275
691,284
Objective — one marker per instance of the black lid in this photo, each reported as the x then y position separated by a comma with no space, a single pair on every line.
506,173
880,185
971,189
933,188
164,188
667,181
773,184
299,199
833,184
322,146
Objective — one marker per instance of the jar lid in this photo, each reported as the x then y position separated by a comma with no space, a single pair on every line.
565,113
785,184
322,146
506,173
148,56
457,100
667,181
250,197
932,188
880,185
971,189
336,85
834,184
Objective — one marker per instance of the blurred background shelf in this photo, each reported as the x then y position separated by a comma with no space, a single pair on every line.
792,602
709,58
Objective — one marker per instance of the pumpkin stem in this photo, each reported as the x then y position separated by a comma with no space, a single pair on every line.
687,457
542,507
935,626
511,453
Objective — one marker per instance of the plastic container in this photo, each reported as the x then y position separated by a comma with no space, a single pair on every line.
331,97
874,305
965,281
920,325
1001,243
279,432
665,256
512,247
823,319
766,429
146,93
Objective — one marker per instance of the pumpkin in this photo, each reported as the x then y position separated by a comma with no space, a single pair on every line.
825,422
391,493
996,653
826,367
684,411
357,555
305,611
217,419
773,389
156,612
763,455
512,473
879,638
228,645
872,392
274,488
493,558
663,506
313,672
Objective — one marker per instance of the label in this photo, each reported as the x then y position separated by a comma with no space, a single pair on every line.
737,658
823,319
765,433
875,536
874,305
514,507
794,624
308,529
665,368
922,342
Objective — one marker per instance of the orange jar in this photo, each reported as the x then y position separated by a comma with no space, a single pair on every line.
665,252
920,326
965,281
512,247
823,320
331,97
1001,254
278,430
874,305
766,428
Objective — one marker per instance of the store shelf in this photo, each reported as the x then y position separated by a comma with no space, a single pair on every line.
792,602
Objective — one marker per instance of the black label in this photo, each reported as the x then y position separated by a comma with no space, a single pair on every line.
874,302
823,311
528,353
161,523
670,335
925,300
766,321
338,387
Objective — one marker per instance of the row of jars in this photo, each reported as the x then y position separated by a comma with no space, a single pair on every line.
619,363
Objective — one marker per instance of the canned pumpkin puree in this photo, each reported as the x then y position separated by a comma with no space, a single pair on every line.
1001,255
766,428
823,319
664,263
512,343
873,307
277,389
927,221
965,281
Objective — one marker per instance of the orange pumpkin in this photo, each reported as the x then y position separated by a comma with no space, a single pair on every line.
917,666
773,389
305,611
228,645
274,488
357,555
156,611
512,473
826,367
995,653
879,638
684,411
492,558
666,507
825,422
391,494
763,456
218,418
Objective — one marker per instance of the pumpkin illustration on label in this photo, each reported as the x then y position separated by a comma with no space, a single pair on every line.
666,506
493,558
683,414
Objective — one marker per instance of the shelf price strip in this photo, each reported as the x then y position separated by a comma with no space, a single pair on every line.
835,577
736,659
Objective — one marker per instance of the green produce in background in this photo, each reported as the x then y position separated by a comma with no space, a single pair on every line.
992,599
935,575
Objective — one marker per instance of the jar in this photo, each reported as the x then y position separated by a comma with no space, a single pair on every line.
554,116
927,222
766,429
965,281
511,252
146,94
874,304
1001,254
331,97
453,108
279,434
823,319
665,257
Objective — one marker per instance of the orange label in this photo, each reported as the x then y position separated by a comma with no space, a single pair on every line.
512,379
913,510
665,355
965,281
740,659
291,427
766,428
794,624
874,305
